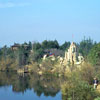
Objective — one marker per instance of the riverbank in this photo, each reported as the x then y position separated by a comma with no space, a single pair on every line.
75,83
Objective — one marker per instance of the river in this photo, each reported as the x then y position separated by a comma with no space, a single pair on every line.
15,86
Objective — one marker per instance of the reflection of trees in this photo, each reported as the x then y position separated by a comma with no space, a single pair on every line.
47,89
48,85
45,84
22,84
7,79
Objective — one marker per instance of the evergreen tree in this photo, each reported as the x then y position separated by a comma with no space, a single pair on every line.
94,55
85,46
65,46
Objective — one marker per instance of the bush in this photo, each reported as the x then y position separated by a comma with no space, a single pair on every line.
94,55
77,89
87,73
97,98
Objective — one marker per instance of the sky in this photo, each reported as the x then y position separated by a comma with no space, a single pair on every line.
37,20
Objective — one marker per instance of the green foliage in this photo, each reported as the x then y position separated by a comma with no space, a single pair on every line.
23,55
97,98
1,53
65,46
40,48
85,46
50,44
94,55
77,89
36,46
37,52
87,73
30,46
28,52
19,57
37,55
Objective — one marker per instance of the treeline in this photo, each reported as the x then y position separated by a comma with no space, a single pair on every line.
23,54
26,53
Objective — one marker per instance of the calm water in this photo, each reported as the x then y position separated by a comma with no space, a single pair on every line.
29,87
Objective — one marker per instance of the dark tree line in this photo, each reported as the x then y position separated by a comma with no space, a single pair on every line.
28,52
85,46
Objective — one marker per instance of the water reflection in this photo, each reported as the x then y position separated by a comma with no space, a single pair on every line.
47,85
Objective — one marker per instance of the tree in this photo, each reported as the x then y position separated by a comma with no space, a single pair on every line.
50,44
85,46
94,55
75,88
65,46
30,46
45,44
37,55
36,46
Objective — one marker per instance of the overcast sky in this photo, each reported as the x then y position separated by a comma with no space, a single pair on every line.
38,20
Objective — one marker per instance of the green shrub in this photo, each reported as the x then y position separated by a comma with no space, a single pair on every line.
97,98
77,89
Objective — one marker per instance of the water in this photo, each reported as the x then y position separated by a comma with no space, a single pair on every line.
6,93
29,87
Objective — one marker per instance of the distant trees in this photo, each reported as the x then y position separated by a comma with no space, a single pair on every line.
94,55
50,44
85,46
5,58
65,46
18,57
23,54
40,48
27,52
4,52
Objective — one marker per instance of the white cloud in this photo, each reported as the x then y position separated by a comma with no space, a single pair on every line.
11,4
